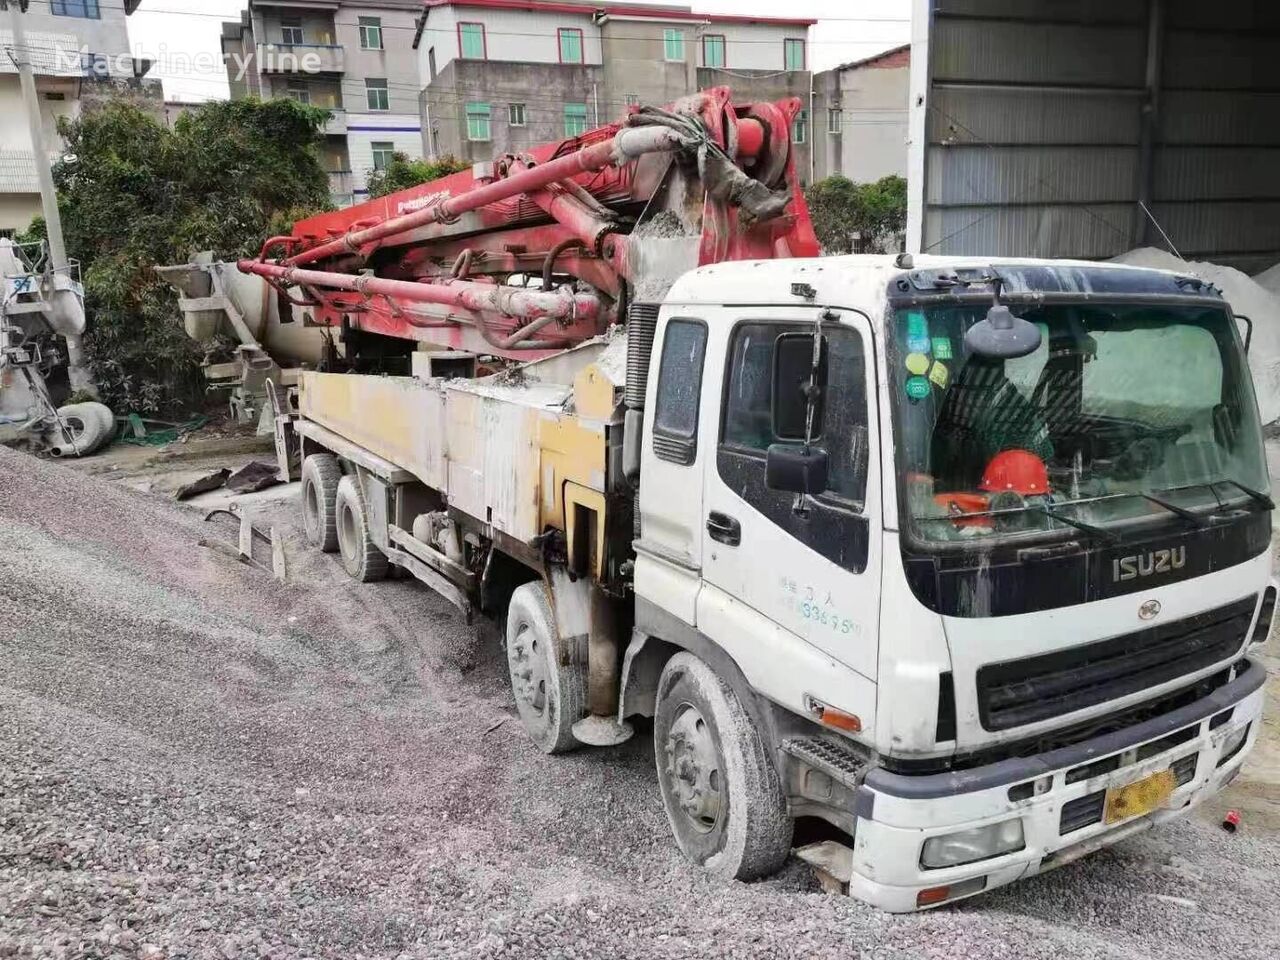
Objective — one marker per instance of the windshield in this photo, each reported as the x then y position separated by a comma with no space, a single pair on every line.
1122,413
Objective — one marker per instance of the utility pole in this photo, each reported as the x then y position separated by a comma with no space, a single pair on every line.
20,54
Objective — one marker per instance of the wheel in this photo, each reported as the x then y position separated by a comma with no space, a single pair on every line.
105,417
361,558
551,696
320,476
85,431
719,786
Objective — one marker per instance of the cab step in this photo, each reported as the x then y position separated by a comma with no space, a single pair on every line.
841,765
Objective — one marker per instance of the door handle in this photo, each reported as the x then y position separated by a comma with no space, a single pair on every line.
723,528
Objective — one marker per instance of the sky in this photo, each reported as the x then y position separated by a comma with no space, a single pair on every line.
182,35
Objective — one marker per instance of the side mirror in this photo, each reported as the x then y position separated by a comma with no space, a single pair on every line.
794,469
1248,330
1002,336
792,371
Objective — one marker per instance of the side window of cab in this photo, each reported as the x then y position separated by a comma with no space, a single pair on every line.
769,369
675,415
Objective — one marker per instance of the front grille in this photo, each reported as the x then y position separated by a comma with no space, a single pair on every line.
1019,692
1082,812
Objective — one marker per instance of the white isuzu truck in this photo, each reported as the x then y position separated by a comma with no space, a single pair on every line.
965,557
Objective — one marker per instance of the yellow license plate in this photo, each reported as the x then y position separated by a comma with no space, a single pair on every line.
1140,797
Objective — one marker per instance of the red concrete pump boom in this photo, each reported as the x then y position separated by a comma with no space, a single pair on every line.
534,252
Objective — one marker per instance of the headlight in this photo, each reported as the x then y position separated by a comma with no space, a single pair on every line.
969,846
1232,744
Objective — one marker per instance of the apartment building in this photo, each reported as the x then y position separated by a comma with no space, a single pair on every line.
77,48
355,58
861,113
503,75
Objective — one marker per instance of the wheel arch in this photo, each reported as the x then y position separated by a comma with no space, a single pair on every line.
659,636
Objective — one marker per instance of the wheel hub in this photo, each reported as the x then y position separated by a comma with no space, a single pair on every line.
693,769
529,670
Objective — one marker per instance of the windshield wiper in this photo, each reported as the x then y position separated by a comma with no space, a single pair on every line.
1192,518
1257,496
1088,528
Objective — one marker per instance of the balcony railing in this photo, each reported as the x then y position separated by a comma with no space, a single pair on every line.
301,58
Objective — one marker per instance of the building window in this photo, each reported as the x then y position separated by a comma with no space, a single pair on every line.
377,94
471,42
834,118
713,50
384,152
575,119
673,44
793,54
479,127
632,100
291,31
85,9
370,33
431,63
298,91
515,114
800,127
570,44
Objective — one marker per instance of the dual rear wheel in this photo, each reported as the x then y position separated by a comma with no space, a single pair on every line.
335,518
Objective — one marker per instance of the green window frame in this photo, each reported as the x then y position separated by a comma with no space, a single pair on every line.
673,45
471,42
800,127
575,119
384,152
570,44
713,50
793,54
377,95
479,122
370,33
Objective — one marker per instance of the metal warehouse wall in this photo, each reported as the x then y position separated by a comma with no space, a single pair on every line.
1040,129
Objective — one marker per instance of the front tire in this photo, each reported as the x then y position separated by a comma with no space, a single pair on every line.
720,789
550,696
360,556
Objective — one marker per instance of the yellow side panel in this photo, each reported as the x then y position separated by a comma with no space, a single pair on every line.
493,462
573,451
400,419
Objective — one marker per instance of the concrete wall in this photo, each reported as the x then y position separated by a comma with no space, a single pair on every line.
872,100
543,88
513,35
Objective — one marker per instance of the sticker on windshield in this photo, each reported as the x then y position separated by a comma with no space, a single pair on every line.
917,363
918,344
942,348
938,375
917,388
917,325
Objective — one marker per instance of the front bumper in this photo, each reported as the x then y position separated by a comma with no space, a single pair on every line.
1058,795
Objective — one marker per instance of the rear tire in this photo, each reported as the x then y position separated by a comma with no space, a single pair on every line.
550,696
360,556
720,788
320,476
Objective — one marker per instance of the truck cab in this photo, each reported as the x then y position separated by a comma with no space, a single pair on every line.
980,546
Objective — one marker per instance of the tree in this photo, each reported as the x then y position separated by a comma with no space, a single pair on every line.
402,173
875,212
138,195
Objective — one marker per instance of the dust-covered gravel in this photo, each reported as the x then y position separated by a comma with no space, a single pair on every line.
196,761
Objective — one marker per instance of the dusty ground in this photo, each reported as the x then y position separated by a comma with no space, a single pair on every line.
196,761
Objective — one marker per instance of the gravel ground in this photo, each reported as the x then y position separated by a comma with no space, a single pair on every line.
196,761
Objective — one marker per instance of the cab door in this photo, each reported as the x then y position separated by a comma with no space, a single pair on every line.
777,564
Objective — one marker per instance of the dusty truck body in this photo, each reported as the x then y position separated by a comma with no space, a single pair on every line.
895,543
